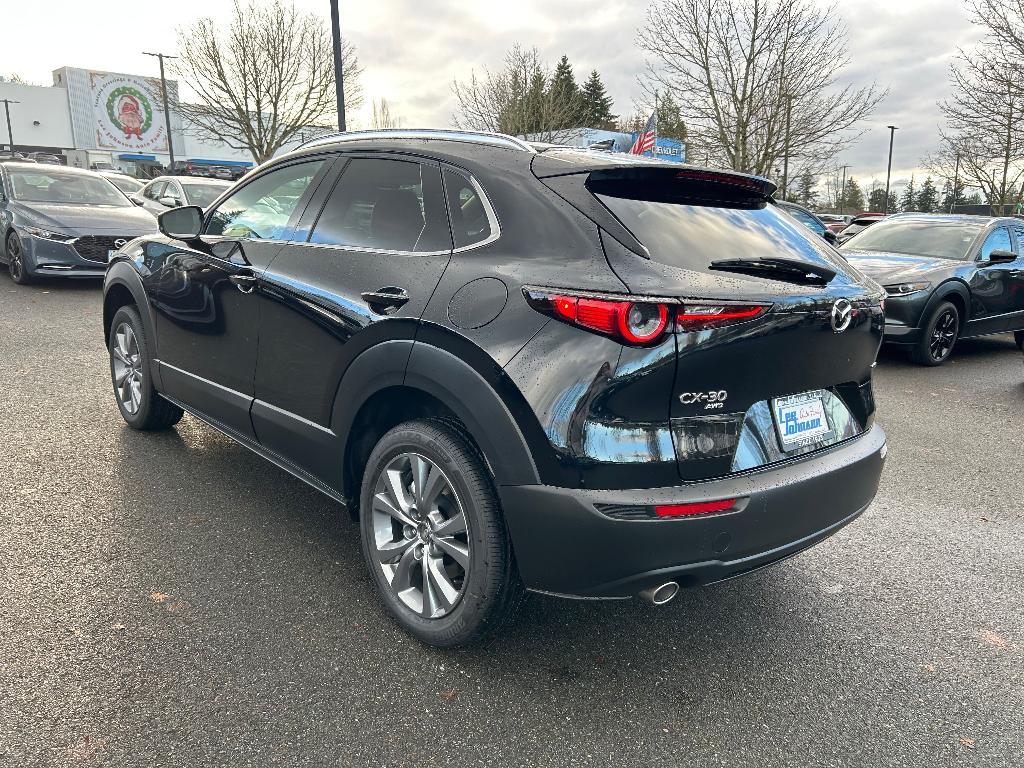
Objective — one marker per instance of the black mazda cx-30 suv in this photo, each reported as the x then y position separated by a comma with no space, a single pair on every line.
517,366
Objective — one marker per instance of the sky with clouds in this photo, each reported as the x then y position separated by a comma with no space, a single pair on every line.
413,49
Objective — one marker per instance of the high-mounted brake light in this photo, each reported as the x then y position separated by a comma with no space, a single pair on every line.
721,178
700,317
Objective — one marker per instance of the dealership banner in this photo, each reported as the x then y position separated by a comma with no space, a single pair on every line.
128,112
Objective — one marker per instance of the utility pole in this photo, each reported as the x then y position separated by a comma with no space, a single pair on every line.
167,109
339,82
842,190
785,157
10,133
888,173
956,183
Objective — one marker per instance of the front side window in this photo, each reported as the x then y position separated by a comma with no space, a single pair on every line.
385,205
46,186
202,194
262,209
155,190
470,223
997,240
1018,230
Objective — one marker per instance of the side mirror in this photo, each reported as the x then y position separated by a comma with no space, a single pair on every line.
169,202
136,200
181,223
1000,257
830,237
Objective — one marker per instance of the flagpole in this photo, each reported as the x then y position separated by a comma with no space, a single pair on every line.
654,147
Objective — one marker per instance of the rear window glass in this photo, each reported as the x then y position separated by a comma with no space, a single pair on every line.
692,236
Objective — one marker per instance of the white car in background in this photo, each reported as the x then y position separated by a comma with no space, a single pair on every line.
166,192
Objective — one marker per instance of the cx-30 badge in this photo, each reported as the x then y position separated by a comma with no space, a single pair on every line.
842,315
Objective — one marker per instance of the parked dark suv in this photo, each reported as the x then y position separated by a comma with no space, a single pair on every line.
566,371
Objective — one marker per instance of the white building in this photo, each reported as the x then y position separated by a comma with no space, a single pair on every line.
90,116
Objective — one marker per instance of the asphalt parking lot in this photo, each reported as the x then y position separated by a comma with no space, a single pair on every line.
172,600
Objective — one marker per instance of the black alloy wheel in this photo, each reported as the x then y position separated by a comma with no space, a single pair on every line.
939,336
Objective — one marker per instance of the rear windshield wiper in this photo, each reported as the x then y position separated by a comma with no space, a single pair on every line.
786,270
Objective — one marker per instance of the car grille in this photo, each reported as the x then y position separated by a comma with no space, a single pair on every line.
96,247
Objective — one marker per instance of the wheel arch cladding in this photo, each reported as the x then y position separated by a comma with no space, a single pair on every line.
399,380
956,293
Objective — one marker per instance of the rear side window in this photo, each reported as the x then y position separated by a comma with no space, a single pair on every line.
1018,230
692,235
470,222
385,205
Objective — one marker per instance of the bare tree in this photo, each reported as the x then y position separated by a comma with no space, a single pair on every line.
382,116
264,77
517,99
983,115
737,67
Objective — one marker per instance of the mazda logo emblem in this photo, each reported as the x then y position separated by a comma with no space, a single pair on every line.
120,242
842,315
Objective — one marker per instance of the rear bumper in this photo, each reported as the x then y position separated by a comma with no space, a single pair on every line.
564,545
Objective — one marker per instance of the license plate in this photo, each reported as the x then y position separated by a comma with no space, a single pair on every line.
800,419
110,255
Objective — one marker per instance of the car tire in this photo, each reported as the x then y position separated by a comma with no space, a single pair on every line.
448,582
938,336
15,260
1018,338
140,404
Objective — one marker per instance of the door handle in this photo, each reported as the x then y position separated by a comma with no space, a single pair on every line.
386,299
245,281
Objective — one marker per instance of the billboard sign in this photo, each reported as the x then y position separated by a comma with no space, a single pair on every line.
127,112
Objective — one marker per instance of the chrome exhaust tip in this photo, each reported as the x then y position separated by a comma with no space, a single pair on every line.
662,594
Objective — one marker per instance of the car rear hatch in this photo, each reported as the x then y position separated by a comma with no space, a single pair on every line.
776,333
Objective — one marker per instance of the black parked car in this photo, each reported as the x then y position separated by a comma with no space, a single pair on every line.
858,225
809,220
574,372
948,277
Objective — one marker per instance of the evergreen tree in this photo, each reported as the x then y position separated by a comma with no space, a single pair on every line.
972,199
852,200
876,200
597,104
928,197
909,200
804,192
670,119
564,89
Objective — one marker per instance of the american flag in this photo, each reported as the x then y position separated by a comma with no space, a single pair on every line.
645,141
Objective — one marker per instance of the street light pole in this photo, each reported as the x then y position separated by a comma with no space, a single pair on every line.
339,82
956,183
785,157
888,173
10,133
167,109
842,190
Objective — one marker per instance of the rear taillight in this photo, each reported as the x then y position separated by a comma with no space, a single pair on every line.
700,317
632,322
696,508
637,320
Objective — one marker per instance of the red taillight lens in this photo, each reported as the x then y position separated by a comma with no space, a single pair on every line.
631,322
699,317
696,508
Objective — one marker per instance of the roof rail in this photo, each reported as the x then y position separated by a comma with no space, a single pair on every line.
479,137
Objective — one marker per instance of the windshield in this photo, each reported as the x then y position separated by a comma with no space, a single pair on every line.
126,184
203,194
43,185
941,239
